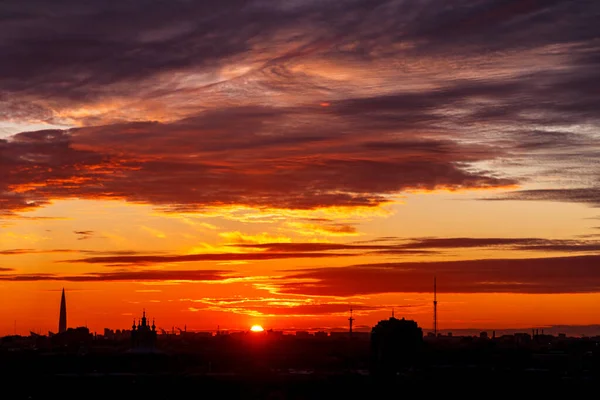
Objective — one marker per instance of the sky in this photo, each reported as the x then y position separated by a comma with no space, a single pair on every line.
240,162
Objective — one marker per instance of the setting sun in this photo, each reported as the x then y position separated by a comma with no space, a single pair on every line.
256,328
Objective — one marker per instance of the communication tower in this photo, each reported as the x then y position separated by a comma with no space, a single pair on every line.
350,320
435,324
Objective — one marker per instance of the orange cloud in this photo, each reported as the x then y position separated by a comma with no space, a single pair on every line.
237,237
330,229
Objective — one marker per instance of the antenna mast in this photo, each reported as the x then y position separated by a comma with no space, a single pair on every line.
435,325
350,320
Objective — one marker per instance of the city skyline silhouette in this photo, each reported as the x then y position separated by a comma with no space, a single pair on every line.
143,321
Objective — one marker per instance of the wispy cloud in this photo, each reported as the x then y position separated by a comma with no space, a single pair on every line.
288,306
128,276
14,252
318,250
585,195
176,258
427,245
264,237
84,235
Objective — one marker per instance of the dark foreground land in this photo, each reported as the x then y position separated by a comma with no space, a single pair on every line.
159,377
301,369
453,382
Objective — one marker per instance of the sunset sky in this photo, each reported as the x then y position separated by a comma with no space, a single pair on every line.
238,162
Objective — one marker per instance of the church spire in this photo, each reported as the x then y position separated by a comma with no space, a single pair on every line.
62,319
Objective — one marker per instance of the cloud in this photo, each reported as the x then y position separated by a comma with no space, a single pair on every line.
575,274
590,196
34,218
329,229
572,274
83,232
285,306
395,245
156,259
146,40
125,276
263,237
251,249
14,252
307,247
165,165
306,310
84,235
524,244
418,95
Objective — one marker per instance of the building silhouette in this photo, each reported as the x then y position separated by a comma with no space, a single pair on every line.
396,344
143,336
75,339
62,319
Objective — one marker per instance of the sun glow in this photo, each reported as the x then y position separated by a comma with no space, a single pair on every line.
256,328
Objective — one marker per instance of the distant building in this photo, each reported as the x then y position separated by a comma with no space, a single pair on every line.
339,335
395,345
276,334
345,335
521,338
119,334
143,336
73,337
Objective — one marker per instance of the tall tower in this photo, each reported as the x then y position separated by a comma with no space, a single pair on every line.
62,319
435,327
350,320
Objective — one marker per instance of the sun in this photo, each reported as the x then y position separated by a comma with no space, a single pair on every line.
256,328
